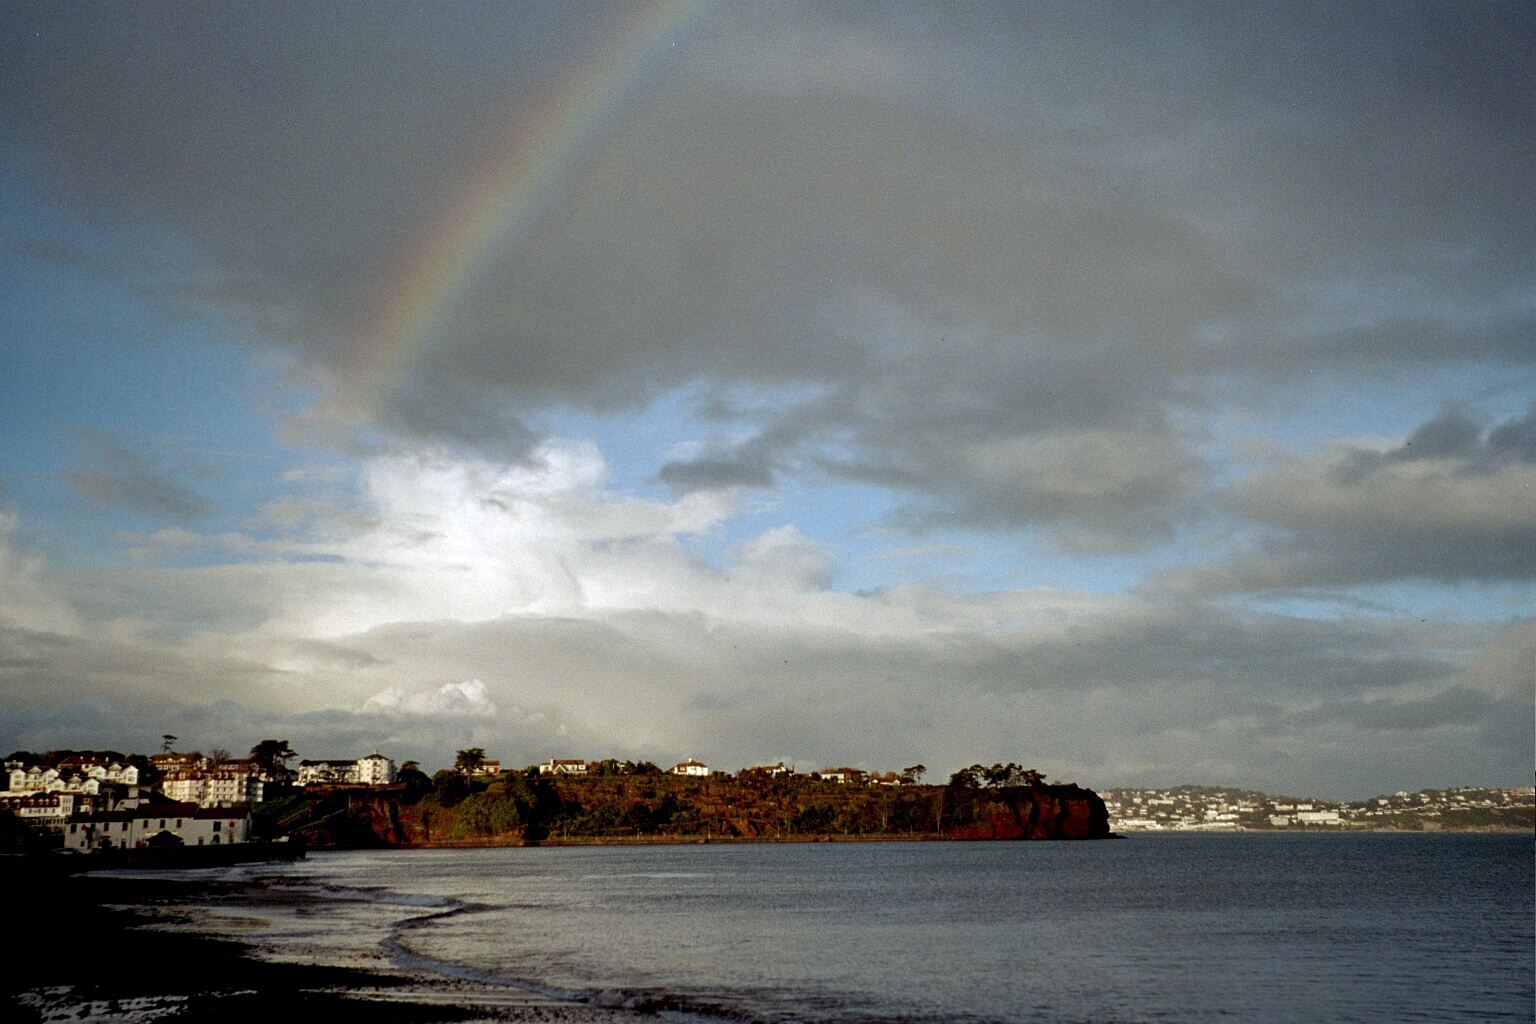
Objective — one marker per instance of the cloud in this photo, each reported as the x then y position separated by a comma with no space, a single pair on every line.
1451,503
119,478
30,600
573,621
1016,269
1028,238
450,699
1453,435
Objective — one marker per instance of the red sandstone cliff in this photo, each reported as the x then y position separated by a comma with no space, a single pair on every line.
1039,812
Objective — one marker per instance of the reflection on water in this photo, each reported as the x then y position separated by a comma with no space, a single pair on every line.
1179,928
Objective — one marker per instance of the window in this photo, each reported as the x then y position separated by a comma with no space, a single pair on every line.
218,825
162,823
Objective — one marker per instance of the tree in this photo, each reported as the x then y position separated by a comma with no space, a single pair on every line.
415,781
967,778
450,787
166,743
999,774
914,773
273,755
218,755
468,762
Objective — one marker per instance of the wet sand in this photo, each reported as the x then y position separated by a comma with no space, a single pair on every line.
130,949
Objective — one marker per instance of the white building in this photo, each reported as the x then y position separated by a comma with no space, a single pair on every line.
842,775
37,779
102,770
1318,818
171,761
131,826
211,786
40,810
690,767
563,766
373,770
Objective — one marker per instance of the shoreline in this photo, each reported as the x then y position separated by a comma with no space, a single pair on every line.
497,842
157,960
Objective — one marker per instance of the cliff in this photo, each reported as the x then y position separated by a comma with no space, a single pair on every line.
518,807
1038,812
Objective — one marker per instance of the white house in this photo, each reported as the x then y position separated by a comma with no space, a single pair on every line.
131,826
690,767
844,775
563,766
37,779
772,771
40,810
102,770
326,773
373,770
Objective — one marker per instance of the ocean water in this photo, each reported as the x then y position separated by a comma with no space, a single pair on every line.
1258,927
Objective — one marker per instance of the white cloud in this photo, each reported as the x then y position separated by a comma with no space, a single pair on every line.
28,598
467,699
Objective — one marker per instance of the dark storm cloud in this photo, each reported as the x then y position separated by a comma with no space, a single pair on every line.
1029,236
1455,706
1451,504
1453,435
717,472
119,478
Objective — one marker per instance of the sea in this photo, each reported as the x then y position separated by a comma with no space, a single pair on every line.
1255,927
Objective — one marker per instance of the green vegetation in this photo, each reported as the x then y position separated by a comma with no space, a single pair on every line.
620,801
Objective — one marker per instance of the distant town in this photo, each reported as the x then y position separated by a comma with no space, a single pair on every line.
1214,809
98,800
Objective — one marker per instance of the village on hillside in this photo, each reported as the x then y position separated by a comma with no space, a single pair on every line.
1215,809
87,801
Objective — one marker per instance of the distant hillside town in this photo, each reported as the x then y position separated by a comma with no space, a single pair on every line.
1215,809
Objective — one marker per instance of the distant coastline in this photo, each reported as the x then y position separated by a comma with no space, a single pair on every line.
518,809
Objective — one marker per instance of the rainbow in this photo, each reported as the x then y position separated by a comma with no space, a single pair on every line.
499,201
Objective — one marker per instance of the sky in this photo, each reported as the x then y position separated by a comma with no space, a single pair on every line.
1144,393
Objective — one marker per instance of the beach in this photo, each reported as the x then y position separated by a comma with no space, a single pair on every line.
134,948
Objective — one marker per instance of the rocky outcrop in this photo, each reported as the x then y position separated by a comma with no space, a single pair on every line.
1038,812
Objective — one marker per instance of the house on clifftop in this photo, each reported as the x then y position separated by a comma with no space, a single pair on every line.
373,770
